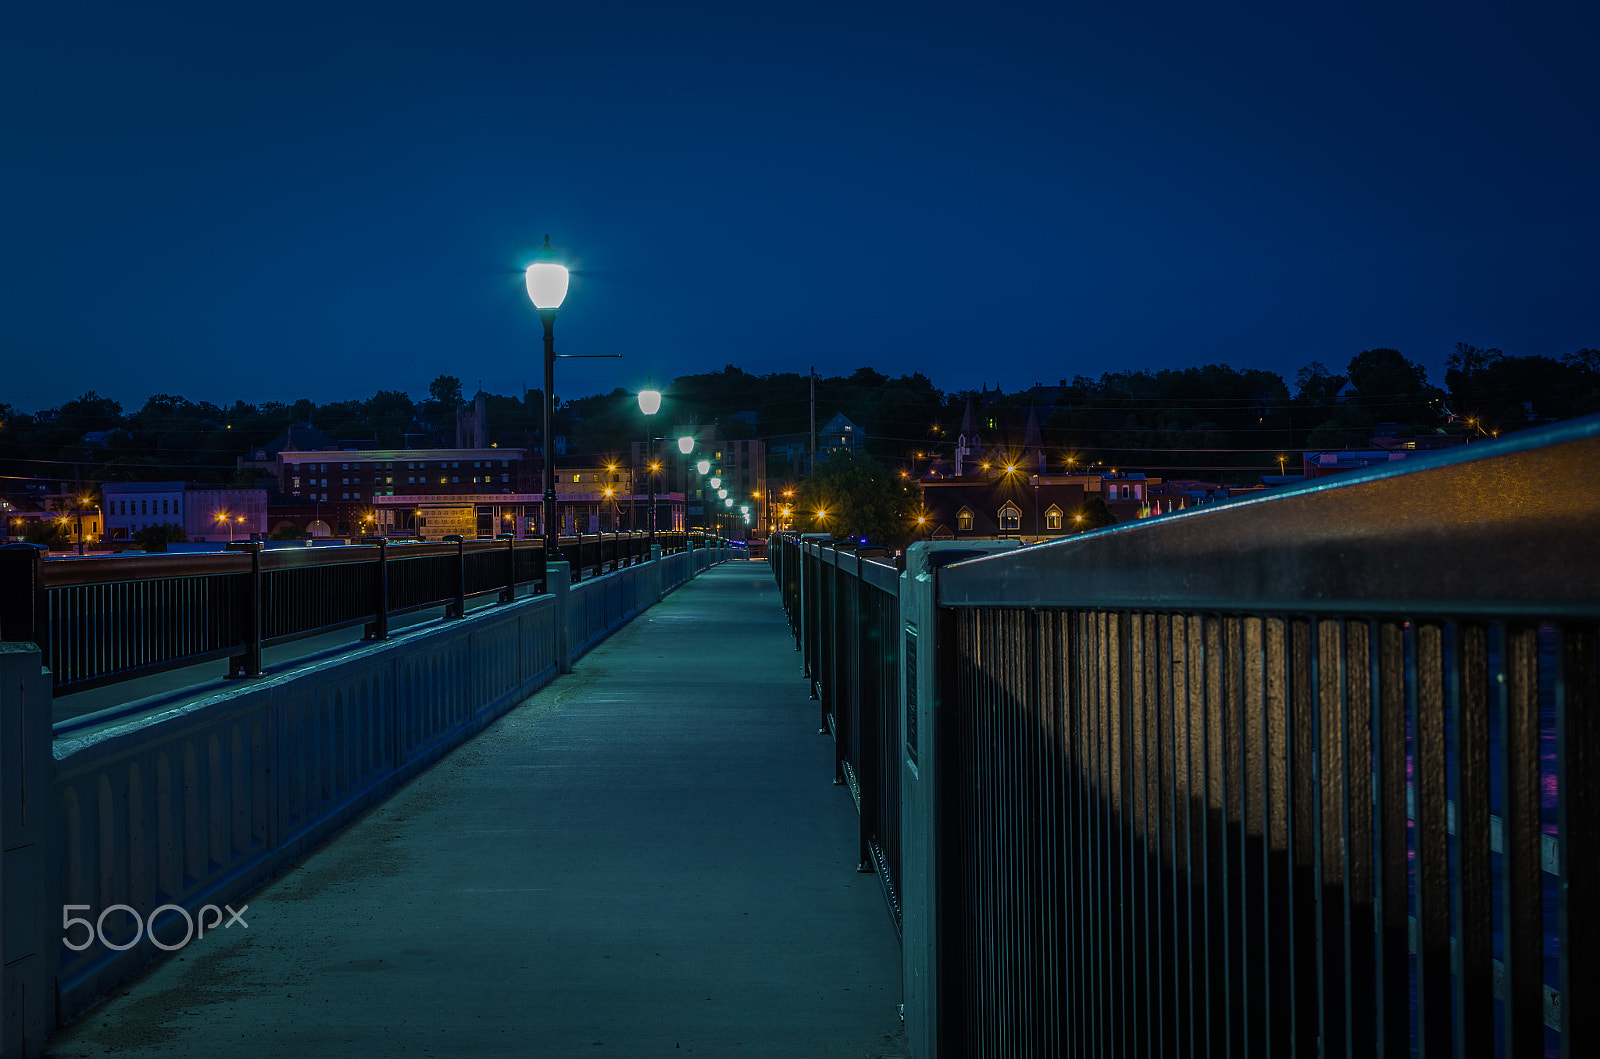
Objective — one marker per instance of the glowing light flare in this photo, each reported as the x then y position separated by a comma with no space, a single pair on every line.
716,483
649,401
704,466
686,444
546,279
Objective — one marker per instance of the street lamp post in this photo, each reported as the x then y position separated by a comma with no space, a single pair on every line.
547,287
650,404
686,449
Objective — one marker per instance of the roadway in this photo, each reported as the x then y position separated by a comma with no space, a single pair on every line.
647,858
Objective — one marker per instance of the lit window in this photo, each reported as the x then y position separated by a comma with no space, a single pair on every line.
1010,518
964,519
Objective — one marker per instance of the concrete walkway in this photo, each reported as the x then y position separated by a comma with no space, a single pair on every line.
648,858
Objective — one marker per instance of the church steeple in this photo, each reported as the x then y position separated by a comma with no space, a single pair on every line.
967,441
1033,443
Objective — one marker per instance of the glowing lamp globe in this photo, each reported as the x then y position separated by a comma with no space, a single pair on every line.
547,279
716,483
729,501
722,494
649,401
704,466
686,444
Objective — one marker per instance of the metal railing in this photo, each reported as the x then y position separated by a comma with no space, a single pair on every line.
853,664
1315,774
100,620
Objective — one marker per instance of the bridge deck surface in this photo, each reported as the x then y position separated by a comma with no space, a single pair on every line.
648,858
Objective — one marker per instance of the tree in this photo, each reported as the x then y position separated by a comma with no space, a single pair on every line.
858,498
156,538
446,391
1095,514
1315,383
50,532
1390,388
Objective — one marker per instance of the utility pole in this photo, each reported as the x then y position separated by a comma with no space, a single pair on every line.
813,466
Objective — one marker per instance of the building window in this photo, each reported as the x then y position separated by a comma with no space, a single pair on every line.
505,463
505,478
1052,518
388,480
1010,519
455,480
964,519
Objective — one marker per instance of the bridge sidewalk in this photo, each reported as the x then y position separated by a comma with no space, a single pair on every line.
647,858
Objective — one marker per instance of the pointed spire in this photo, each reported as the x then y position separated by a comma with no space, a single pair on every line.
1031,439
969,422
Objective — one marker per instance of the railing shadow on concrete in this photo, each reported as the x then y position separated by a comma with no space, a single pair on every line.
1311,774
135,828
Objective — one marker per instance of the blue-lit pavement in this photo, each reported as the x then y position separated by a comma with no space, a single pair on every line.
648,858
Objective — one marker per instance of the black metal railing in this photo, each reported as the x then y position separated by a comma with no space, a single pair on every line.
1316,774
853,663
104,619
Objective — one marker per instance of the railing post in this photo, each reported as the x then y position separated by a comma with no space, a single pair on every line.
560,579
248,663
24,610
509,593
926,649
458,609
656,579
378,627
30,890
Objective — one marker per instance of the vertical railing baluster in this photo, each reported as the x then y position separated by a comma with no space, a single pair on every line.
1577,838
1357,854
1471,888
1393,988
1431,842
1328,859
1522,873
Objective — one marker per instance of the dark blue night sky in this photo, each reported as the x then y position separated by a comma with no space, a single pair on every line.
274,200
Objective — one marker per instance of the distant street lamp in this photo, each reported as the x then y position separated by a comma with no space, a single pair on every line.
650,404
547,287
83,501
222,516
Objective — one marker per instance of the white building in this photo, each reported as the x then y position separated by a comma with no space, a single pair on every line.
206,512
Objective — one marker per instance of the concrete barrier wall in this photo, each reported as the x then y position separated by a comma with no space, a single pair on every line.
201,804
